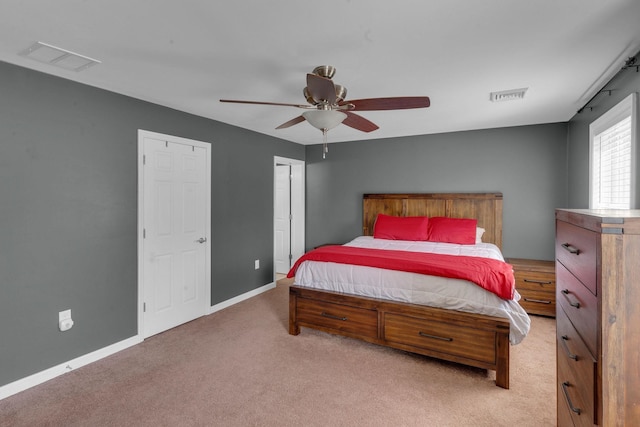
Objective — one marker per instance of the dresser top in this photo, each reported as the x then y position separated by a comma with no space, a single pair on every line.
606,213
615,221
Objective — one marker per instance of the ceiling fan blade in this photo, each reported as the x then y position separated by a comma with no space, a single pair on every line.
396,103
358,122
292,122
266,103
321,88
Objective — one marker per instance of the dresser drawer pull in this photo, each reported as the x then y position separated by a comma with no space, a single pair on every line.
331,316
566,396
539,282
571,249
575,304
566,348
422,334
539,301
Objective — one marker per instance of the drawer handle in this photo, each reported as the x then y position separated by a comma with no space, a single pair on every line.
539,282
571,249
566,348
566,396
539,301
422,334
331,316
572,303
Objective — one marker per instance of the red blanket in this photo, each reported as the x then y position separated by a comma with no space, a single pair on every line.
491,274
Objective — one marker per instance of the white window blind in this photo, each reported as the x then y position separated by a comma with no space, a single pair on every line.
612,157
612,166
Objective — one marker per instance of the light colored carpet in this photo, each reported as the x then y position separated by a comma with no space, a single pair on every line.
240,367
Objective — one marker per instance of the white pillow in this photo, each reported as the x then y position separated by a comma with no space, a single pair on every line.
479,233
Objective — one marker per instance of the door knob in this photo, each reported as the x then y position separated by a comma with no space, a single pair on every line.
201,240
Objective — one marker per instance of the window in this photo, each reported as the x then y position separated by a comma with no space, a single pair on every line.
612,150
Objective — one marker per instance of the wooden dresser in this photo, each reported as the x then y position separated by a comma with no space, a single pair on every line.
536,284
598,317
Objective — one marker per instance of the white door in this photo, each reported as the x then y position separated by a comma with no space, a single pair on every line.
282,218
175,221
288,214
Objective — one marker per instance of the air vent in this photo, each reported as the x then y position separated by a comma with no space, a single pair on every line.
508,95
59,57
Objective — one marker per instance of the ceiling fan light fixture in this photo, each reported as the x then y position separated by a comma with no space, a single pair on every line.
324,119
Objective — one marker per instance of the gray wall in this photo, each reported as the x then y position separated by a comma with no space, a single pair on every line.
68,213
527,164
68,201
625,82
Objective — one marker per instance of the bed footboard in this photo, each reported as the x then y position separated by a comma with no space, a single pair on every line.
470,339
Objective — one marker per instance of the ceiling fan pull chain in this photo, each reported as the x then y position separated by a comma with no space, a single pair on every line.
325,147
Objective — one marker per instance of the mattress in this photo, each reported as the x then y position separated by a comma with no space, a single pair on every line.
441,292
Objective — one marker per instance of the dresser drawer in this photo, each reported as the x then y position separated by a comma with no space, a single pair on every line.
564,413
577,368
567,396
436,336
538,302
576,249
580,305
344,318
535,281
536,284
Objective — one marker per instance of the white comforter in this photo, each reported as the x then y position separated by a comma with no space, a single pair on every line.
454,294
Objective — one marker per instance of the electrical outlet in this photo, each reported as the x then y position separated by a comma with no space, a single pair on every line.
64,320
257,264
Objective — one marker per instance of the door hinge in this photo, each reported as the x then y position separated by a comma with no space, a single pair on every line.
144,233
290,217
144,159
290,257
144,307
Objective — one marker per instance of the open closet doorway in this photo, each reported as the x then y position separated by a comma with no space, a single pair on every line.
288,215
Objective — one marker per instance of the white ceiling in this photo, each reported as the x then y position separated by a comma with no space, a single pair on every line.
189,54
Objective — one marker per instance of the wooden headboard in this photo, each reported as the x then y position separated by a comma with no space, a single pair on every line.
485,207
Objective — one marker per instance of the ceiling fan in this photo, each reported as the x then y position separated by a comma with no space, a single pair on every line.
327,107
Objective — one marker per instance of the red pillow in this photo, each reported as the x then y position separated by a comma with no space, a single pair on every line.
401,227
453,230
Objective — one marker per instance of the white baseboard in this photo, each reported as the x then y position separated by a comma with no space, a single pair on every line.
239,298
48,374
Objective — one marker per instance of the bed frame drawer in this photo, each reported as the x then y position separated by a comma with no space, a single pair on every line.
437,336
343,318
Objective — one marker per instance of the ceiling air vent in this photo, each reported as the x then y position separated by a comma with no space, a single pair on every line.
59,57
507,95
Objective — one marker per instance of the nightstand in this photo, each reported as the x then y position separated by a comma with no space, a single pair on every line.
536,284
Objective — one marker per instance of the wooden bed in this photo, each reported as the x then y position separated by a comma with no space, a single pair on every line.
470,339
